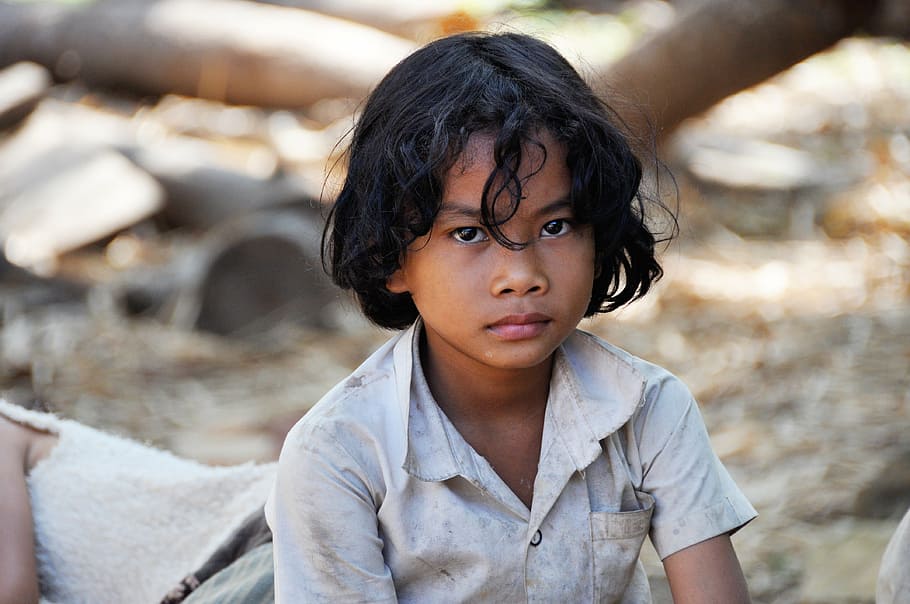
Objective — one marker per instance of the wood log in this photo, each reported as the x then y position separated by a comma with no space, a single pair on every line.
244,276
229,50
78,196
267,272
21,87
400,17
717,49
22,290
201,189
201,192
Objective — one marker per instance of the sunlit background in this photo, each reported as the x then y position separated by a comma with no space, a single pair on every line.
164,167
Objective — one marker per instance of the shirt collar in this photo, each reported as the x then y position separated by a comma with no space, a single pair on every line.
594,390
430,455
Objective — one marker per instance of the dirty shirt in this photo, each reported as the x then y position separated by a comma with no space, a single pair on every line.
379,498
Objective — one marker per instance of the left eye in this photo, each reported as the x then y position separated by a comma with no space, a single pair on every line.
554,227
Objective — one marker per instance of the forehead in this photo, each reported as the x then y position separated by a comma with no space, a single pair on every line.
540,185
537,151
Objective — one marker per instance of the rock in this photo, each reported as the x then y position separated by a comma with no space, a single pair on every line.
72,198
22,85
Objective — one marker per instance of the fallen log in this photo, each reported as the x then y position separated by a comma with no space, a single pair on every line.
201,192
75,196
723,46
200,188
21,87
265,271
242,278
400,17
229,50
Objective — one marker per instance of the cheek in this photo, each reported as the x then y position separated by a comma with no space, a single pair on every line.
580,256
580,271
433,286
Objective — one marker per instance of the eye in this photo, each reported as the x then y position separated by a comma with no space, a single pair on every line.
469,235
555,228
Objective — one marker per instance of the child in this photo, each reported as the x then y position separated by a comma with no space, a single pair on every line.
492,452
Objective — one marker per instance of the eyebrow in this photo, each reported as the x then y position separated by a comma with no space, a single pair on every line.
452,210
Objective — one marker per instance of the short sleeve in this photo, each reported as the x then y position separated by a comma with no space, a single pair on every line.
323,519
695,497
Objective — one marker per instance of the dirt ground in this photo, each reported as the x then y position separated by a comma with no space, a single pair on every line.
784,307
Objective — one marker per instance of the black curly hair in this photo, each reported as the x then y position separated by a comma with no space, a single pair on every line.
417,122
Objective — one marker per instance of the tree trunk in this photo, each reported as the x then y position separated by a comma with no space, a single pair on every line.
401,17
227,50
720,48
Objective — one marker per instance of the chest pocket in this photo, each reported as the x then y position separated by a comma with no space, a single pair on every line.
620,519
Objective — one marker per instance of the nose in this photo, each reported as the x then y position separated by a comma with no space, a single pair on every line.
519,272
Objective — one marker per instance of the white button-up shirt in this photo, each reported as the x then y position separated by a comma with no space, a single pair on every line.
379,498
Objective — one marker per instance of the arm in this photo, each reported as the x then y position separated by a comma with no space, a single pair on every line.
706,573
697,504
19,579
323,517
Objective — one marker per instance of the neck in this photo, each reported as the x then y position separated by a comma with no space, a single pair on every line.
475,394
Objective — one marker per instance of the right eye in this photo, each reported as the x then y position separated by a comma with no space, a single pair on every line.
469,235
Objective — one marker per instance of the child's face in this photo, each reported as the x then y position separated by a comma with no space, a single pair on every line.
482,304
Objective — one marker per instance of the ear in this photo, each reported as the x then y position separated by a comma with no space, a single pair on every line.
397,283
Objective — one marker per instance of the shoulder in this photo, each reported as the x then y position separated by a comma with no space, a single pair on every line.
364,401
593,356
14,440
654,402
357,410
24,443
360,417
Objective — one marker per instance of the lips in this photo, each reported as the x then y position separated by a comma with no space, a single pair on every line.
520,326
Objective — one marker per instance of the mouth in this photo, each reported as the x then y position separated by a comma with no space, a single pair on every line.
520,326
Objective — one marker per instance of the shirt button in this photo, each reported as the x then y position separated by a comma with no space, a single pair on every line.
536,539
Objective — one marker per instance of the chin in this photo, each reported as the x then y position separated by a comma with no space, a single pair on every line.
520,359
